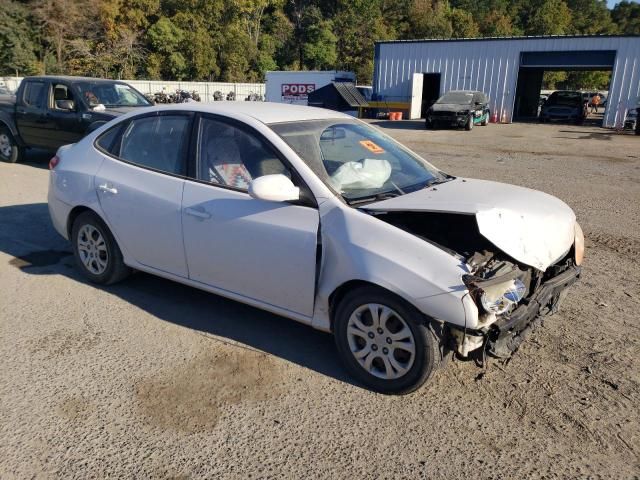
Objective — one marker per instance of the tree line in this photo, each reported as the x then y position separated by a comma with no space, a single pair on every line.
239,40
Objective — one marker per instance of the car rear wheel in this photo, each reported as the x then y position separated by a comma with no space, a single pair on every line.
9,149
96,252
469,125
384,342
485,122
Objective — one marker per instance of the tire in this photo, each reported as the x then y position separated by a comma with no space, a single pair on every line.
354,325
10,152
485,122
469,126
100,258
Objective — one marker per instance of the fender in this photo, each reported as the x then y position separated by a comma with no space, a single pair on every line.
8,121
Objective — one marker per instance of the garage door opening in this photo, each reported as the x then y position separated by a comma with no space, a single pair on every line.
587,71
425,90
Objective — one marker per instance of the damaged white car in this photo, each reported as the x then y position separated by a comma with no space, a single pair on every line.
321,218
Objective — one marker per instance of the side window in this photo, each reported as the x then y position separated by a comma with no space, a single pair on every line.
232,157
156,142
60,94
33,95
108,140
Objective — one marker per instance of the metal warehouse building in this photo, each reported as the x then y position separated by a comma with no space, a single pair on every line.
410,74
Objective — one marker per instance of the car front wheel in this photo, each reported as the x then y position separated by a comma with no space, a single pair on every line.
384,342
95,250
9,149
469,125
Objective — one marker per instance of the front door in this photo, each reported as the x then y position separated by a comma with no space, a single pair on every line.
140,190
69,125
265,251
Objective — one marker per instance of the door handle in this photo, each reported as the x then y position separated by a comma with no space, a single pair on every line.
106,188
194,212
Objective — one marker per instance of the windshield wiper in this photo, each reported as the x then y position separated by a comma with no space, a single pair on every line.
372,198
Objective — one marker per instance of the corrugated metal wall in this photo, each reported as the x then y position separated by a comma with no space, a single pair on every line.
492,66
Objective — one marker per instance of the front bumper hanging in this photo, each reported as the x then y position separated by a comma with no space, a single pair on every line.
508,333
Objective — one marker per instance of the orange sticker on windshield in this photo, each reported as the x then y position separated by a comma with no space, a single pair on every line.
371,146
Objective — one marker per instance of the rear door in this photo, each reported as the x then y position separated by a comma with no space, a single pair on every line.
140,185
263,251
35,126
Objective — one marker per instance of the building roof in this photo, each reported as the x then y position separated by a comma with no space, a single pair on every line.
484,39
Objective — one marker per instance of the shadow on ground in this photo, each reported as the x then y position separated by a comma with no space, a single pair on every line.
28,236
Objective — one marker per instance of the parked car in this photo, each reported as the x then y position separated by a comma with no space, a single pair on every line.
564,105
319,217
48,112
459,108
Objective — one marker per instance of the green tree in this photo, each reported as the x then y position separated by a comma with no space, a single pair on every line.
357,25
429,19
590,17
17,40
164,38
626,15
551,17
462,24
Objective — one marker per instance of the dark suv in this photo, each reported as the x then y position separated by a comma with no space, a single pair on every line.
564,105
459,108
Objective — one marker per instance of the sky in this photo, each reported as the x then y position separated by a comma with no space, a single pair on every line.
612,3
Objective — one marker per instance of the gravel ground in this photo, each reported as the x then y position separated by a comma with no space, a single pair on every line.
150,379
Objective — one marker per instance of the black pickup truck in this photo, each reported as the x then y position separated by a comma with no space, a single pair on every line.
48,112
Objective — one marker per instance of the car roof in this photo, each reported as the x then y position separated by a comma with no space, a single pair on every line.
265,112
70,78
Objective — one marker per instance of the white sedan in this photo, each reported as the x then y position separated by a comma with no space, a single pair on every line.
321,218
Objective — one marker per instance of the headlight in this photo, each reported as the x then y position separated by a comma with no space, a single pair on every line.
579,244
498,298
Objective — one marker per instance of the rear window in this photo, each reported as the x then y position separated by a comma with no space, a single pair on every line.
33,95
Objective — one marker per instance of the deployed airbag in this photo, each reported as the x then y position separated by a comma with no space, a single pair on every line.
369,173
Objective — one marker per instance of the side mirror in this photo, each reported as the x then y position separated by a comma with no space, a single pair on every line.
65,105
274,188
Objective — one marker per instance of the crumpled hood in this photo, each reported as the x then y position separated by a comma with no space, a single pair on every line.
531,226
450,107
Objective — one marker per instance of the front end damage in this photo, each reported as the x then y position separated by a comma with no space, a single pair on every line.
512,297
514,301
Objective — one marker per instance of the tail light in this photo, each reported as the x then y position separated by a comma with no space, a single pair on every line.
53,163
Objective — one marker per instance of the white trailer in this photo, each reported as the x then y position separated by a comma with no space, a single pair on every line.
294,87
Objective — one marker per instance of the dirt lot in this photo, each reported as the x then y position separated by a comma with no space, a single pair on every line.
150,379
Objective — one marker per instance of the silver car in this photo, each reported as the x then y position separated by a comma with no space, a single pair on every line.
321,218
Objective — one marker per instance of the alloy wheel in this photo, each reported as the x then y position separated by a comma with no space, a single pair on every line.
381,341
6,145
92,249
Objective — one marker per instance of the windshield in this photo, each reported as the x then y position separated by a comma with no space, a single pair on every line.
356,160
456,97
110,94
565,98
